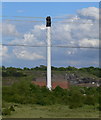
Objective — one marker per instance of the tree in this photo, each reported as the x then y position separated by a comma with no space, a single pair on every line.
25,68
71,68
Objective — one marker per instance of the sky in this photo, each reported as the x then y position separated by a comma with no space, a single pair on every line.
50,1
44,8
69,31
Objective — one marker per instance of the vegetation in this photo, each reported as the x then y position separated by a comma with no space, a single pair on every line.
18,72
23,93
27,97
11,72
52,111
26,93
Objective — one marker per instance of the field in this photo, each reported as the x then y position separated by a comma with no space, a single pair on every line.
53,111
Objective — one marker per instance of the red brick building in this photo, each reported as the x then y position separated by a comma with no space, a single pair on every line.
62,84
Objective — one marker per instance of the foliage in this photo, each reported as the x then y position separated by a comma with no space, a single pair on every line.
25,92
6,111
90,100
92,70
18,72
76,99
12,72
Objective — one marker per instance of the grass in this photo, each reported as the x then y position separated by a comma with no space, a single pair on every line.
53,111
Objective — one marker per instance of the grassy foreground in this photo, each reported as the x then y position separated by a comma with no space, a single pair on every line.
53,111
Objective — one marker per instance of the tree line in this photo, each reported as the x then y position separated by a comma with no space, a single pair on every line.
18,72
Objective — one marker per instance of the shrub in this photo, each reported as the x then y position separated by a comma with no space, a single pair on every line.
26,93
6,111
11,108
76,100
58,91
91,91
65,100
90,100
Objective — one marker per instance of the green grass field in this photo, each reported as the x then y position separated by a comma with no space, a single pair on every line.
53,111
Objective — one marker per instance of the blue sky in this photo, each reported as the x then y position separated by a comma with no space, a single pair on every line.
44,8
62,34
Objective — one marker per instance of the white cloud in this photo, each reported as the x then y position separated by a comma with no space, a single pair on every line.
89,13
78,30
3,51
71,33
31,38
8,29
27,55
39,27
91,43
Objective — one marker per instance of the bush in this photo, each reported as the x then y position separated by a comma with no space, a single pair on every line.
91,91
90,100
58,91
65,100
11,108
76,100
50,100
6,111
24,92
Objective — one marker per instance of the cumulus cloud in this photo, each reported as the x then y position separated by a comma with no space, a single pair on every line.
8,30
3,51
27,55
89,43
31,38
78,31
81,29
89,13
